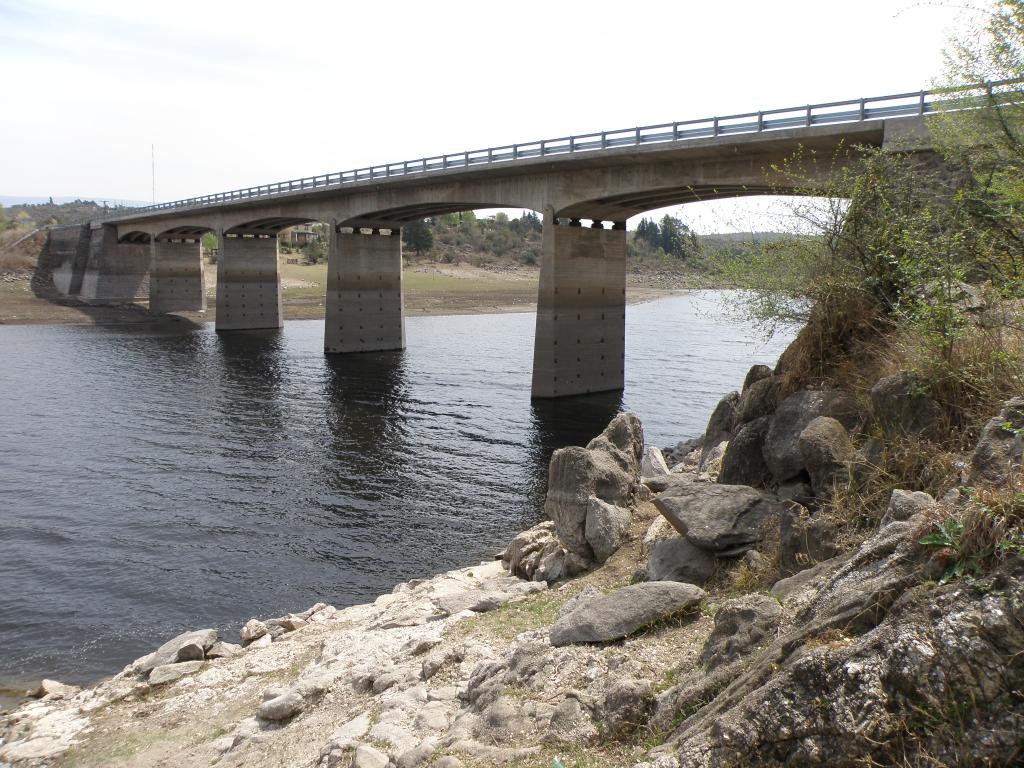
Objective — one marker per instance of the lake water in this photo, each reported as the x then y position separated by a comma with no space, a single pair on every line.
154,481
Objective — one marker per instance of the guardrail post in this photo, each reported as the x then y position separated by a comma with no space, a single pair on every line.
808,121
604,140
572,144
466,155
920,106
863,110
675,131
444,162
760,122
490,155
543,148
515,151
714,127
405,168
637,141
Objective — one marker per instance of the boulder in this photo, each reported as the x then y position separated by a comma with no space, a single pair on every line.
653,463
678,559
828,454
755,374
608,468
782,444
740,626
718,518
626,707
167,673
605,528
711,460
188,646
570,724
1001,446
761,399
527,550
369,757
623,612
720,424
222,650
743,463
281,707
903,505
253,629
805,539
797,489
54,689
901,407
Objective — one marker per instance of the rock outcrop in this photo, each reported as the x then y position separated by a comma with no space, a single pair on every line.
1001,446
608,469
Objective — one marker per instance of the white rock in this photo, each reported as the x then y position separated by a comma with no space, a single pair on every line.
368,757
167,673
653,463
253,630
281,708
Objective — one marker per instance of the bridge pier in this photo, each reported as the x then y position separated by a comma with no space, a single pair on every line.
365,308
176,281
248,283
580,341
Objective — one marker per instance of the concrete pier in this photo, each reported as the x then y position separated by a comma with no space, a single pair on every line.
176,281
580,342
365,310
248,283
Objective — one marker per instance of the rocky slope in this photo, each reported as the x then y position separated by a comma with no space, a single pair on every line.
645,625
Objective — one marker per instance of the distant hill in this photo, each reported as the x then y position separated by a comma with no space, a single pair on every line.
8,201
48,213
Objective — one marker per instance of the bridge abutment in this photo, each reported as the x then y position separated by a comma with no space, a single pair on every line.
365,306
580,342
248,283
114,272
176,281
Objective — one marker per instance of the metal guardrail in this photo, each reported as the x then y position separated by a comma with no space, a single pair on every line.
852,111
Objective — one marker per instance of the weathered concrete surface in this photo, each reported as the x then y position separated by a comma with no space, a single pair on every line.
248,283
580,343
114,271
365,308
67,252
176,282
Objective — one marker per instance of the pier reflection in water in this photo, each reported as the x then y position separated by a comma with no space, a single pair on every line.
156,480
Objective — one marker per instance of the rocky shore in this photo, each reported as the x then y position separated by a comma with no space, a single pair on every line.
695,606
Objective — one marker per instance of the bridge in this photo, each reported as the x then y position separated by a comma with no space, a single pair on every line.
585,187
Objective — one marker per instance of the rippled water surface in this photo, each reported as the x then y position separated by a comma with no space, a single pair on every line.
152,482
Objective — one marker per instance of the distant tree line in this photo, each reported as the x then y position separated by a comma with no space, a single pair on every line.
669,239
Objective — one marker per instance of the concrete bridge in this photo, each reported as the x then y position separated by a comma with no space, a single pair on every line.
601,179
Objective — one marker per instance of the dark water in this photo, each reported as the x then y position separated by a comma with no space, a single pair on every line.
152,482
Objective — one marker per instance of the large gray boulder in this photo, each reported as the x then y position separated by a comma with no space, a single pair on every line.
828,454
605,528
782,445
760,399
901,407
718,518
1001,446
623,612
743,463
653,462
678,559
188,646
740,626
608,469
528,549
754,375
903,505
805,539
720,425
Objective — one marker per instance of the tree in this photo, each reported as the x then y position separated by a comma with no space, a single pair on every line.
419,236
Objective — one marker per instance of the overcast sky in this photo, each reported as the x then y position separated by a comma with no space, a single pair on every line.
236,94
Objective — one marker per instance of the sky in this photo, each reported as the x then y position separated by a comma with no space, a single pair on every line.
235,94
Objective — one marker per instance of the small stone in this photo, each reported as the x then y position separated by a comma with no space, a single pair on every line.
281,708
905,504
253,630
448,762
653,463
368,757
55,689
222,650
